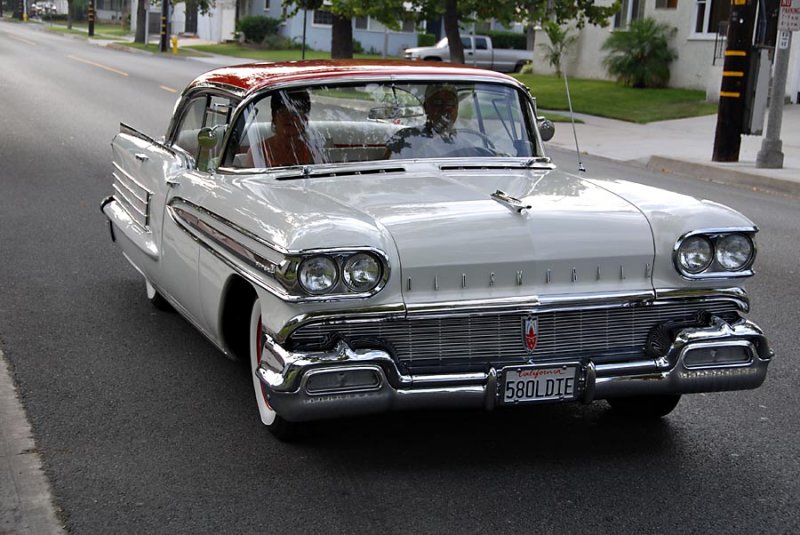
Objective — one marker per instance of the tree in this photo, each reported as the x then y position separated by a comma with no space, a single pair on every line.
640,56
341,37
506,12
560,40
141,20
390,13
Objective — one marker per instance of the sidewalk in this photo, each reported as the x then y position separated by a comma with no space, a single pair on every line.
685,146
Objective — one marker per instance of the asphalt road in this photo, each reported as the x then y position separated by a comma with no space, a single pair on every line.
145,428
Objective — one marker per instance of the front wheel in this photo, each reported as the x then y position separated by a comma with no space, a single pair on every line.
155,298
279,427
645,406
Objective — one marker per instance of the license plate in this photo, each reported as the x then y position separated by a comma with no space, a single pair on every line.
540,383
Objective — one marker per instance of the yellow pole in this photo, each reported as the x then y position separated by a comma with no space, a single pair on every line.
174,44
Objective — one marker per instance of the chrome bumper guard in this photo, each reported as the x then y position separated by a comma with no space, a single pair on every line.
346,381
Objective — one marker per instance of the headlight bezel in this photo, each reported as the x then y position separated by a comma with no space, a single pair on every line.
291,273
714,269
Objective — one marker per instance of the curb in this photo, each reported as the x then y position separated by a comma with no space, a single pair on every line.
712,173
26,503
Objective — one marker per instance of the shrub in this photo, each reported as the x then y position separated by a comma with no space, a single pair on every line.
279,42
257,28
358,48
518,41
426,39
560,41
640,56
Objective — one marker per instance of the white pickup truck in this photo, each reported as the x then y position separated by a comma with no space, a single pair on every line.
478,51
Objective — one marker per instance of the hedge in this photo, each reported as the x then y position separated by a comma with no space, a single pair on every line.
518,41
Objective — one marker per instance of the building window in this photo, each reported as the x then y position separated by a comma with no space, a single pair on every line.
666,4
709,14
362,23
323,18
630,11
266,5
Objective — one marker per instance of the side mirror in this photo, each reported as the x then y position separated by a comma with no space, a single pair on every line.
546,129
208,137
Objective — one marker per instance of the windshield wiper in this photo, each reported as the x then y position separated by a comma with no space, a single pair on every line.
537,159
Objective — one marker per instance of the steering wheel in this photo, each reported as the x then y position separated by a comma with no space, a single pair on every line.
483,137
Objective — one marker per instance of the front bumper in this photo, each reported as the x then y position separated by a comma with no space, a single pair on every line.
346,381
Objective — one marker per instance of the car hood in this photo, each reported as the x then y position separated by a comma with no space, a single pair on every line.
454,242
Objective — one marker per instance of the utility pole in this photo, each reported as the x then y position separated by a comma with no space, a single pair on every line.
735,74
771,156
164,27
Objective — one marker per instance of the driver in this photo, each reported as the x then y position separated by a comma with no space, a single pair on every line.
438,137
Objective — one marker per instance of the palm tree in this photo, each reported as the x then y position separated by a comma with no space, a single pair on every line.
560,41
640,56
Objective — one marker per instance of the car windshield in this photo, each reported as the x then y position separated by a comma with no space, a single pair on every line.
381,121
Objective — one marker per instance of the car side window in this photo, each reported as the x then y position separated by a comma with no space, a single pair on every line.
206,111
465,42
480,43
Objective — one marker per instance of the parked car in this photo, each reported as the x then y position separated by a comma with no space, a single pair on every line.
478,51
364,279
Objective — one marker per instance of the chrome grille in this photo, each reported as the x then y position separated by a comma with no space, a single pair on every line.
132,196
479,341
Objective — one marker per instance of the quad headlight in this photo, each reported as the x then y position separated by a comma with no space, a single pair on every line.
338,273
716,253
362,272
734,251
318,274
695,254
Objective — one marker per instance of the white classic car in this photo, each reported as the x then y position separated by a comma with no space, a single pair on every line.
373,236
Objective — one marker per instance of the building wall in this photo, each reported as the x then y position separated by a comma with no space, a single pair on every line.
217,25
693,69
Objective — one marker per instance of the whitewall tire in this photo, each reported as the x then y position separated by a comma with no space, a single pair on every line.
277,425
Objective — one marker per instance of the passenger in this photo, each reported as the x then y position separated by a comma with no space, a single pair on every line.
438,137
291,143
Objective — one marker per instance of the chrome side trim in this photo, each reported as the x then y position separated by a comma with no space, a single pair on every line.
229,241
133,197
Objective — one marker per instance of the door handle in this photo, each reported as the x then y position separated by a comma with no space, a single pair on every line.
141,157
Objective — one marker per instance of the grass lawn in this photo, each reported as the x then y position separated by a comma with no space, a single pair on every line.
101,30
608,99
233,49
155,49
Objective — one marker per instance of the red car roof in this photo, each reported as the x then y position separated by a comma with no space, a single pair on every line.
254,76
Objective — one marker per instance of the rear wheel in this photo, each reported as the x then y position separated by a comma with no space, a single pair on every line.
279,427
645,406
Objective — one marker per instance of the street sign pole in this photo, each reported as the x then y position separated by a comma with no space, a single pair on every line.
771,156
